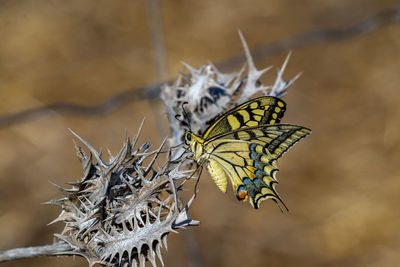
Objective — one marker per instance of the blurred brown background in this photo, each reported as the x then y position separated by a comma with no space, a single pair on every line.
341,184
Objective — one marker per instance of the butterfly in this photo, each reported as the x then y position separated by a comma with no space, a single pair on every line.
244,144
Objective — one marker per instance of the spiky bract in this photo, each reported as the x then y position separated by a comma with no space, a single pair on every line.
209,93
122,210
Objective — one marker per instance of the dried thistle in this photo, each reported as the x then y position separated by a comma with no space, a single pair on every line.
122,210
209,93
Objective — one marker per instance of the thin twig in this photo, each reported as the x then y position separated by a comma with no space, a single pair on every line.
32,252
364,26
109,105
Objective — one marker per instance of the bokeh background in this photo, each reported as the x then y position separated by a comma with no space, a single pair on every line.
342,184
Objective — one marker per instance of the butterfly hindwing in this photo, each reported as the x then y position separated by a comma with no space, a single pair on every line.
248,157
258,111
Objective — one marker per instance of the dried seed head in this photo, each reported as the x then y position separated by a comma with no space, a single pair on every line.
209,93
122,210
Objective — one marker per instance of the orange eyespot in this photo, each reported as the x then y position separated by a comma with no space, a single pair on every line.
241,193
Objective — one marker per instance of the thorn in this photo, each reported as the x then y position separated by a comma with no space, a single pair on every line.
142,259
120,254
157,152
57,202
249,59
58,219
129,250
164,239
65,191
138,133
158,249
282,69
286,61
112,256
102,164
151,257
135,222
192,70
79,151
139,217
147,216
190,202
280,86
174,231
109,154
294,79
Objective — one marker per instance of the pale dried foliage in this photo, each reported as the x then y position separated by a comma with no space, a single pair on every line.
209,93
122,210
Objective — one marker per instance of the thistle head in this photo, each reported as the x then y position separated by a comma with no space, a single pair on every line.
122,209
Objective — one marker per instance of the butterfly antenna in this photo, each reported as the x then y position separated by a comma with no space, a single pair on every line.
186,115
177,117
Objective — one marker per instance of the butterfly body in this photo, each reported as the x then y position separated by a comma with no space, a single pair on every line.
243,145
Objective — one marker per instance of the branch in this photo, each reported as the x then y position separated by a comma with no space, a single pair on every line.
157,39
32,252
364,26
109,105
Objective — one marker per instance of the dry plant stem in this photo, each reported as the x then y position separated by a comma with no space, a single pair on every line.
55,249
158,52
116,101
364,26
157,40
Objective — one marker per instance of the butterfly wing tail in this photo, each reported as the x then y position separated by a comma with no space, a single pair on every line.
265,155
261,182
260,190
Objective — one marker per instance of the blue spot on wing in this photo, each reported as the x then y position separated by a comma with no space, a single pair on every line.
246,180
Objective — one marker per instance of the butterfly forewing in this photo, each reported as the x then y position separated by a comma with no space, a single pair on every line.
277,139
261,110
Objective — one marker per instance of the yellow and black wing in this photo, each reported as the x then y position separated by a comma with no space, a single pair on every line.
258,111
248,157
